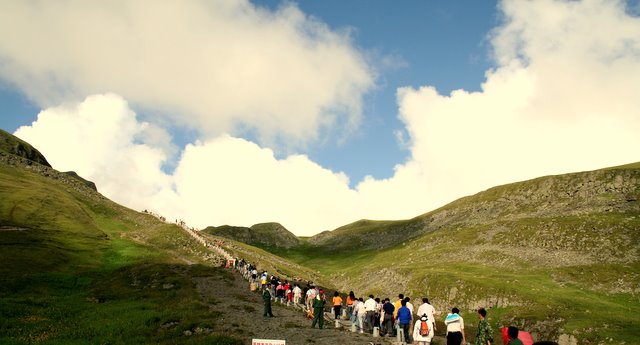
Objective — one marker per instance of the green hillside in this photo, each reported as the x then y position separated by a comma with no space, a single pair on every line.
78,268
557,255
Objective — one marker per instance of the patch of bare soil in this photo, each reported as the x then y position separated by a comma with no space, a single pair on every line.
242,317
12,228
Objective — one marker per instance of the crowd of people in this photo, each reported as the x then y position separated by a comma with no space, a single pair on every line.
370,315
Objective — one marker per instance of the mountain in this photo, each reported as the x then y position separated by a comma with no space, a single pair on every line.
613,191
261,235
15,146
77,268
556,255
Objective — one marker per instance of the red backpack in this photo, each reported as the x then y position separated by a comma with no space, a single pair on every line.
424,329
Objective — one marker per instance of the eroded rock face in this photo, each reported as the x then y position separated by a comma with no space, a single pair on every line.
15,146
567,339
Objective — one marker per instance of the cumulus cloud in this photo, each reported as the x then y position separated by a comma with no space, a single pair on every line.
214,66
562,98
101,139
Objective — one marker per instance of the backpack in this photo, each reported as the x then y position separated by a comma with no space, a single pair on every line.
424,329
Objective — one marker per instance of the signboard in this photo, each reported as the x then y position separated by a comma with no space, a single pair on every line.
267,342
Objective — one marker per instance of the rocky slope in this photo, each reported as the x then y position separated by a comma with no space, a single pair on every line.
15,146
578,195
260,235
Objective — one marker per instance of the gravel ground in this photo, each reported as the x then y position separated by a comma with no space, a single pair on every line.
242,317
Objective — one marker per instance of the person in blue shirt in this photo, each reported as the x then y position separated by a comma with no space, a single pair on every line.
404,319
387,324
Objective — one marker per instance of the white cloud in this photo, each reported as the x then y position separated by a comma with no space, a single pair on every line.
562,98
102,141
214,66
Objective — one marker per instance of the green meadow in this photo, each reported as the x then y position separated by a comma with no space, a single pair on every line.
79,269
556,256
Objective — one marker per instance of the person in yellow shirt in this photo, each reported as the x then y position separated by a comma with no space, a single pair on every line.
397,304
337,304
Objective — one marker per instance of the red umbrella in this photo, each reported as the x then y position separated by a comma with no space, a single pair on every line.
525,337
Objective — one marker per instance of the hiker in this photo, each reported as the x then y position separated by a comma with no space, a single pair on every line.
359,313
337,304
297,295
387,323
455,328
403,318
350,300
311,294
410,306
370,310
266,298
485,333
512,333
423,330
377,317
318,310
427,308
397,304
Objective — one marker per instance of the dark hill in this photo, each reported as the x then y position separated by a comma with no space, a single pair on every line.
269,235
15,146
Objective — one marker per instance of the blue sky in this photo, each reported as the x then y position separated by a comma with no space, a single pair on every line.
319,113
439,43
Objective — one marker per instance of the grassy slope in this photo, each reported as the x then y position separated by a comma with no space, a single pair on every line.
556,273
77,268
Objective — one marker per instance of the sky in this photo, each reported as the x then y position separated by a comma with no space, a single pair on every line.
316,114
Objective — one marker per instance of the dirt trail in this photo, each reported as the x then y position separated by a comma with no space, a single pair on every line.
242,317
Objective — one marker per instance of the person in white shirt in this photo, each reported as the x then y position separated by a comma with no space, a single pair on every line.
420,339
297,294
370,309
360,312
311,294
455,328
429,310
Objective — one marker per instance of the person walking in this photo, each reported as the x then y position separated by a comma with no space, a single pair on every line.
512,334
350,300
455,328
266,298
360,313
411,309
387,323
318,310
423,330
370,309
485,333
337,304
297,295
397,304
427,308
403,317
